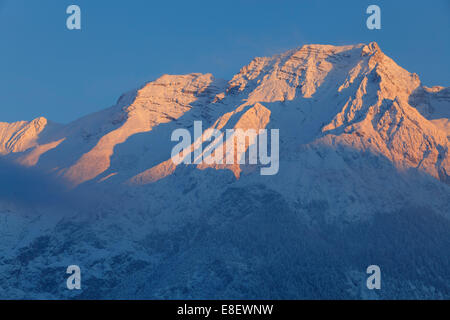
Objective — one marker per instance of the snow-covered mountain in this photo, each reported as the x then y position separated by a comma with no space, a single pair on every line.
363,179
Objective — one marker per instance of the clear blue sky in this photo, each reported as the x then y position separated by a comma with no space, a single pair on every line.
47,70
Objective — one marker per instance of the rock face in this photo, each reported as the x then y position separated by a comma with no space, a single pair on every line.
363,179
20,136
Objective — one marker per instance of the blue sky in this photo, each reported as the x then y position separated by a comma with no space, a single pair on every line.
47,70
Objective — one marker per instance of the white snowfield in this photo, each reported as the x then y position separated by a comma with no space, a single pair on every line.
363,179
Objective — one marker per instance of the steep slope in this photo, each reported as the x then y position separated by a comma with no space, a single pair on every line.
433,103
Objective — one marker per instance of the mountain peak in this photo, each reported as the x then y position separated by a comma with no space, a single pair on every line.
304,70
370,48
352,95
